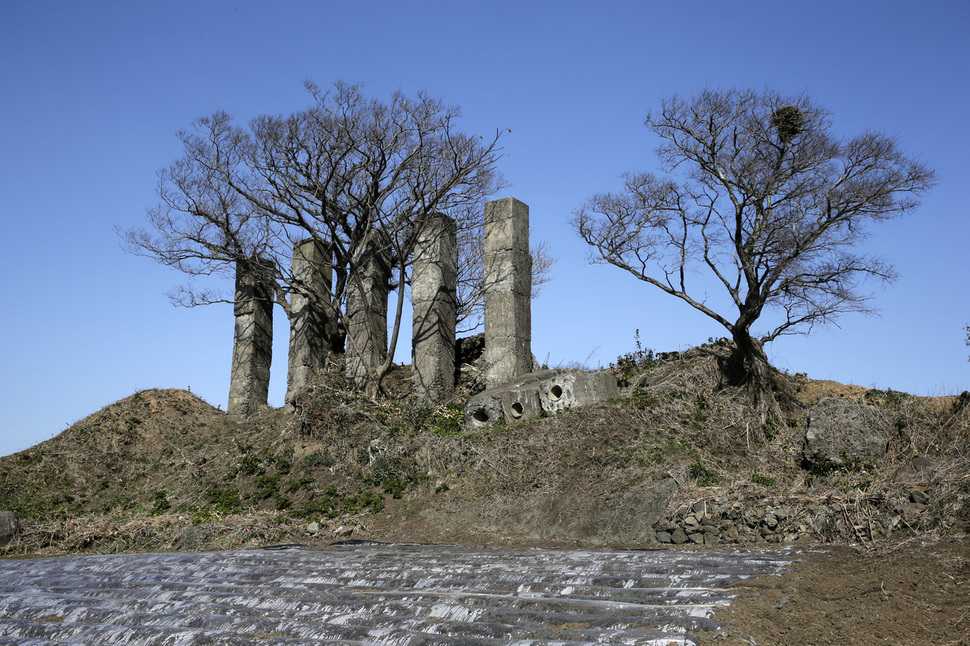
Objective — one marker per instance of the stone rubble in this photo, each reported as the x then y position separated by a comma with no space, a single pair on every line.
862,518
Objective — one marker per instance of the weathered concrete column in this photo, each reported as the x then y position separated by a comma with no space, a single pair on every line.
508,291
252,351
367,307
433,298
309,314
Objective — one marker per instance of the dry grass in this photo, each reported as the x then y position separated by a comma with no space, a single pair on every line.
142,473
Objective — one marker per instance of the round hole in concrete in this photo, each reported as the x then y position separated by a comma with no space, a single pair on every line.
517,410
556,392
480,416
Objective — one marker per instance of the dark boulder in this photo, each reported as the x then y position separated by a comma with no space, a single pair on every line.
841,434
9,526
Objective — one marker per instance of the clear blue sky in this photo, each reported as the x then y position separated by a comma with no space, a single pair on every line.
91,94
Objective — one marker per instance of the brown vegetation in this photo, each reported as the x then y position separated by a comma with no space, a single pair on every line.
141,473
163,470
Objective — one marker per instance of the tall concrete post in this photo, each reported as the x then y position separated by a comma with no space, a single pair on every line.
367,306
433,298
252,351
309,314
508,291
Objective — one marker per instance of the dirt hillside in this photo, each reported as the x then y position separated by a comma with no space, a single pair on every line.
679,455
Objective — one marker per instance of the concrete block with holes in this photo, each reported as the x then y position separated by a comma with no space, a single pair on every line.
548,391
566,390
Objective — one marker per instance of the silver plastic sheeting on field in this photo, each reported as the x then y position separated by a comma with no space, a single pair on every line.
398,594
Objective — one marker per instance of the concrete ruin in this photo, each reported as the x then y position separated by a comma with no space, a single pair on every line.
366,317
433,298
548,391
309,320
508,291
252,351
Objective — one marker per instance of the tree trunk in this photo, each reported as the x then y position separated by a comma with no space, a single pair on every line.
748,366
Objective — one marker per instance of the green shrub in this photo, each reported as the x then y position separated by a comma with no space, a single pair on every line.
318,459
367,501
705,477
448,420
643,399
201,517
633,363
283,466
251,466
225,500
764,481
282,502
160,503
266,486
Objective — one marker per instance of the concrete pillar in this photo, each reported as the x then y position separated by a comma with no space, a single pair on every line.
508,291
252,351
433,298
367,306
309,314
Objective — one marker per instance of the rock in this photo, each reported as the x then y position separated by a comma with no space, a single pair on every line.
678,537
919,497
313,528
909,512
469,349
343,531
751,517
664,537
9,526
840,434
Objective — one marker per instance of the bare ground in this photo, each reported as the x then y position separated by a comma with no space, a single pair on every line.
909,593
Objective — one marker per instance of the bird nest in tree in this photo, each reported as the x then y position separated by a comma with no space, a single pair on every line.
788,120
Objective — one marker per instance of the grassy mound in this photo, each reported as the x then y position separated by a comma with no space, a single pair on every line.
162,469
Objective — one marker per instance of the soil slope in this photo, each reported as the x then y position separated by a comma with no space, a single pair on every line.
164,470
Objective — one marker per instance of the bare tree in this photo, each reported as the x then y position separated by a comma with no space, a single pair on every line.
761,196
349,166
202,226
337,172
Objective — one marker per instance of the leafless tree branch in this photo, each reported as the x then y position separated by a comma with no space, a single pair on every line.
763,197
